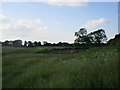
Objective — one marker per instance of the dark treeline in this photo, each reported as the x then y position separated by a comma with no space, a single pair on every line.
83,39
18,43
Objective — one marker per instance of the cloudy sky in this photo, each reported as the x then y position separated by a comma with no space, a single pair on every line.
56,21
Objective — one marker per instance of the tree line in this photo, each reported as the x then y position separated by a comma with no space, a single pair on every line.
95,38
18,43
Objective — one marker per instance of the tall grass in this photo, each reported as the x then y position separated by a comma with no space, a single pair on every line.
92,68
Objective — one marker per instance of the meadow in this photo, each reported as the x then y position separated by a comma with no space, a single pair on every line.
96,67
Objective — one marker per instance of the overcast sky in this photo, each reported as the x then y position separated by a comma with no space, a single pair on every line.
54,22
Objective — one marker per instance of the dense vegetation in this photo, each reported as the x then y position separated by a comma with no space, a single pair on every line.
93,68
96,67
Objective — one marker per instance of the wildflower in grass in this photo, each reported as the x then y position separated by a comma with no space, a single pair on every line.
106,60
84,58
64,61
73,59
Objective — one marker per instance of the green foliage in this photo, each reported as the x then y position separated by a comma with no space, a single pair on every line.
17,43
96,37
25,43
81,36
92,68
115,41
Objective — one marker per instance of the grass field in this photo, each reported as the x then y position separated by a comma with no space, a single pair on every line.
92,68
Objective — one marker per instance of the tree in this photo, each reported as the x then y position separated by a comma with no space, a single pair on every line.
30,44
82,37
45,43
6,43
39,43
98,36
25,43
35,44
115,41
81,32
59,44
17,43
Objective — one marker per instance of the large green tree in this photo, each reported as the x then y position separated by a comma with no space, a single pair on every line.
96,37
82,37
